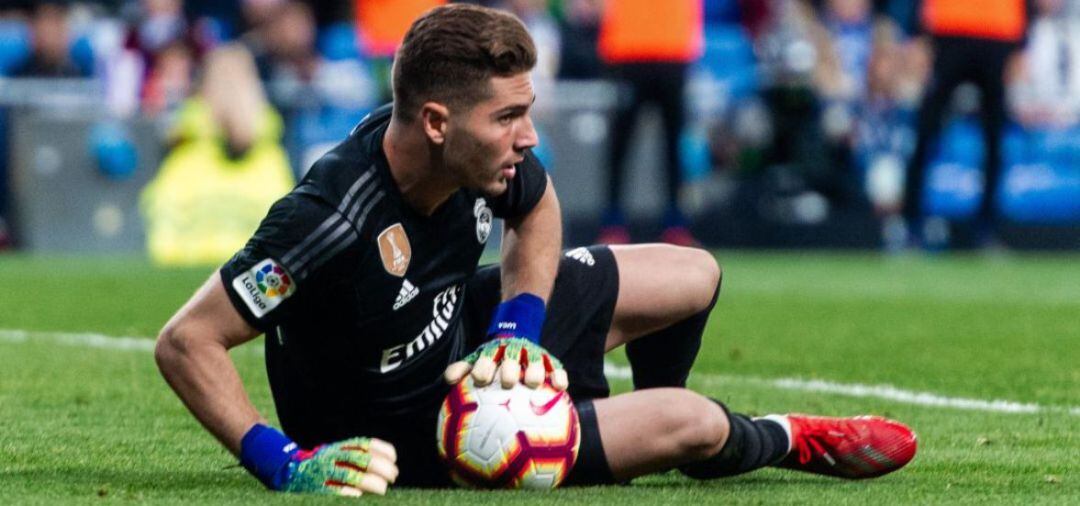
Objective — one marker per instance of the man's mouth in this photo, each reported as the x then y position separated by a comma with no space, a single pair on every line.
510,169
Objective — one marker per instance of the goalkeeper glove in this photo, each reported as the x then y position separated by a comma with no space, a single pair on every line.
351,467
515,330
508,356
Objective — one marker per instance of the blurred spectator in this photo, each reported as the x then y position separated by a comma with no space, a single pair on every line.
225,168
884,134
972,42
1046,87
284,42
51,44
160,51
160,24
257,17
295,72
804,165
579,33
849,25
649,51
169,82
316,95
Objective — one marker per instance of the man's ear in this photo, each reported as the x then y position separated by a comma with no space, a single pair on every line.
434,117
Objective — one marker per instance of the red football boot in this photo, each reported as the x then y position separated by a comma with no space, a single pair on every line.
854,448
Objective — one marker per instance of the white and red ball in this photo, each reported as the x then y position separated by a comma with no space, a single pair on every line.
491,437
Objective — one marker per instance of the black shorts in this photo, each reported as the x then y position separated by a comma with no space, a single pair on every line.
575,331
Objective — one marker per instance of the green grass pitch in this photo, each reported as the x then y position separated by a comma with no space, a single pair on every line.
84,424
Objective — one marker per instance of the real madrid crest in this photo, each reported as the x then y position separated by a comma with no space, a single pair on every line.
394,249
483,220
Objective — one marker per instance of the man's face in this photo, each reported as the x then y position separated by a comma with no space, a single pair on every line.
484,143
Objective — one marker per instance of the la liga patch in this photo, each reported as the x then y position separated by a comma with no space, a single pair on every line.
264,286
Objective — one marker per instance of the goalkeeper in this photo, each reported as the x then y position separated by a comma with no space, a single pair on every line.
364,279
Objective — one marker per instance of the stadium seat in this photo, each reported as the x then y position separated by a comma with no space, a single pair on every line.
82,55
14,45
1044,187
338,42
725,75
728,57
954,174
1040,183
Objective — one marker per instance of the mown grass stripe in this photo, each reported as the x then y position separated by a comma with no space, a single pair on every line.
614,371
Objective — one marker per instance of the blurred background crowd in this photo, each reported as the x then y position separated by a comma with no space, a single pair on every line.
835,123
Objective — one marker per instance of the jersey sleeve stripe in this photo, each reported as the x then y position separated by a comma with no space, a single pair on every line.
342,228
330,221
349,239
363,216
335,242
351,214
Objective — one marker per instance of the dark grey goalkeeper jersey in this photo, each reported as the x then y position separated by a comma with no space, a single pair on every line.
360,296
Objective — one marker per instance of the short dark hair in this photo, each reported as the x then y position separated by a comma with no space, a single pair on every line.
450,53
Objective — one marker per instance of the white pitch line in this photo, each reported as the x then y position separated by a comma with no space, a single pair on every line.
886,392
85,339
613,371
88,340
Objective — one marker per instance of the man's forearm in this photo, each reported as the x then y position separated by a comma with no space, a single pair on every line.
204,377
530,250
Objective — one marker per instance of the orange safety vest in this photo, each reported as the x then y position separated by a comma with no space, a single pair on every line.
1003,20
649,31
382,24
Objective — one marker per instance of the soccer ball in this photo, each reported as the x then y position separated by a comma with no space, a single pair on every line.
491,437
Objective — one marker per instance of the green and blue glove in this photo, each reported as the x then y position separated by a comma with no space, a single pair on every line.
513,353
351,467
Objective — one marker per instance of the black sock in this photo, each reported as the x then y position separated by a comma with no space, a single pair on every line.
664,358
751,444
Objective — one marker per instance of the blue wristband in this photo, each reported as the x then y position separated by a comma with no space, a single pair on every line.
265,453
521,316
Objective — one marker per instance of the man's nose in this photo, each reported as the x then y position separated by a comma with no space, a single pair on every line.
526,137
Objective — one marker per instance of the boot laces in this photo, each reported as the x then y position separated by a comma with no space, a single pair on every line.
815,438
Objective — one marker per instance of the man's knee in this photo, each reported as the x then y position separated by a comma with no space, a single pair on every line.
697,425
704,276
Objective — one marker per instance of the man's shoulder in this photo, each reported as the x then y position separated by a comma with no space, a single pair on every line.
348,170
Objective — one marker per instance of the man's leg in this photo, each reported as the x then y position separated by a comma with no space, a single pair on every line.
993,115
622,130
675,427
950,70
665,296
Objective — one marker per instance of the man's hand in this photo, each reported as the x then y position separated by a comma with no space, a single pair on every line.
351,467
507,357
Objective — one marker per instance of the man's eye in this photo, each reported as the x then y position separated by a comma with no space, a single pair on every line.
505,120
